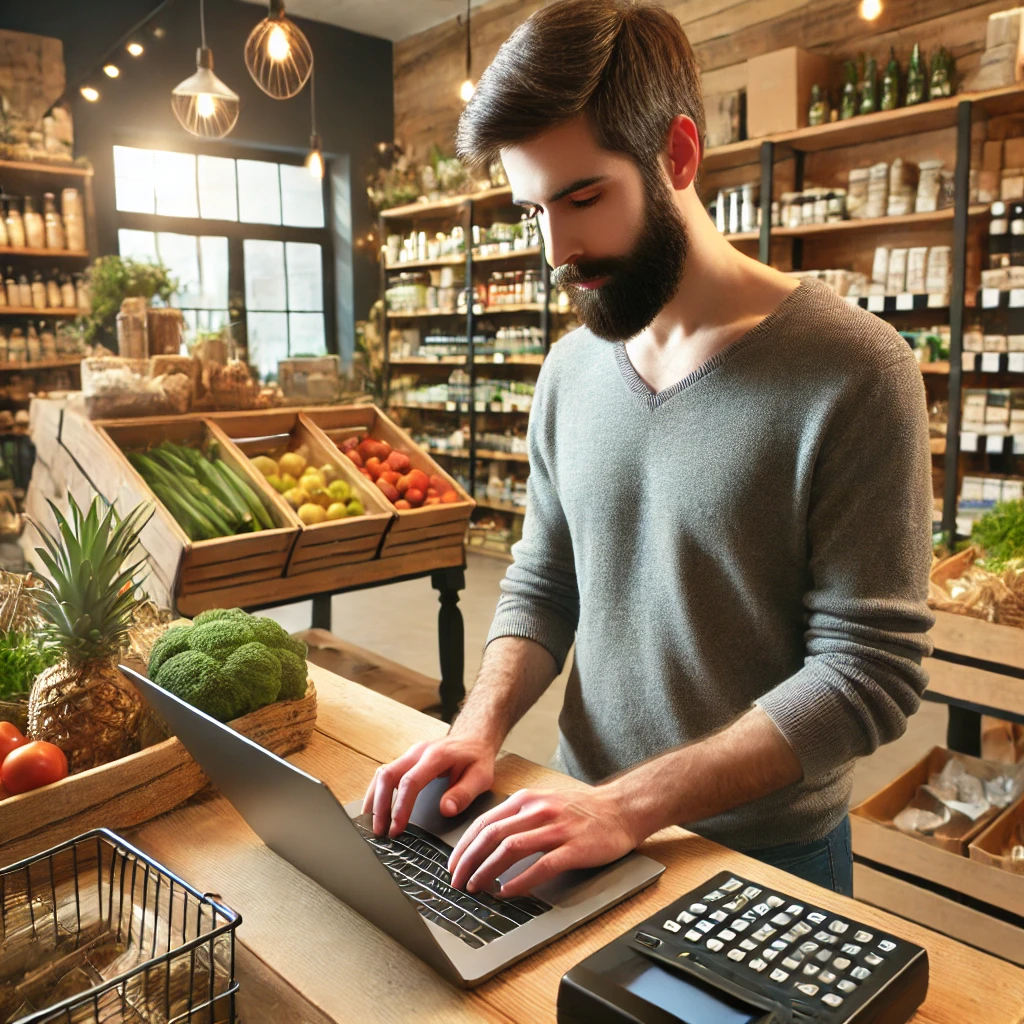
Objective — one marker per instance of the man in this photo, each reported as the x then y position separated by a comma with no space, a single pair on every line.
729,497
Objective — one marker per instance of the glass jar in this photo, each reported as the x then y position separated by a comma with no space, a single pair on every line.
4,243
24,292
35,231
67,293
38,291
11,286
82,299
74,219
15,225
53,299
54,225
721,212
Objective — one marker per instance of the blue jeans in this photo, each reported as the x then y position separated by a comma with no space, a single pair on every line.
827,862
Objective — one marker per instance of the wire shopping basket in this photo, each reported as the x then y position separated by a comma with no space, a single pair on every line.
95,932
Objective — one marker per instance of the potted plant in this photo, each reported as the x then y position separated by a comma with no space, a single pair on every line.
112,279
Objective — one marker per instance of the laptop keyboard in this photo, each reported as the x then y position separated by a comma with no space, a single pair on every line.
418,861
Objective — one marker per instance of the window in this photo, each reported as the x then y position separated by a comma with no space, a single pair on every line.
265,242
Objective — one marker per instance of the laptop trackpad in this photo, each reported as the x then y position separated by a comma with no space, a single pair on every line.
427,814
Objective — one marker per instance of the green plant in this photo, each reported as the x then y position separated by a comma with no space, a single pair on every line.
22,658
228,663
368,368
113,279
1001,534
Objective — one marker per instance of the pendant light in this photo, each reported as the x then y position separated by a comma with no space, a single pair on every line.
467,88
203,104
315,159
278,55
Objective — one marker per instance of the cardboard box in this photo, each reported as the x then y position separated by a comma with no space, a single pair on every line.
973,341
896,280
779,89
992,156
994,343
1013,152
1011,184
988,186
997,407
723,117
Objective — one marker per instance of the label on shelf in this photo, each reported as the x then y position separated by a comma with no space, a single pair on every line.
989,362
968,361
1018,444
451,406
876,303
905,300
499,358
1016,361
968,441
937,300
989,298
995,443
1016,298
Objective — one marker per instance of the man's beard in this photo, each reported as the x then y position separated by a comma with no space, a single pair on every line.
640,283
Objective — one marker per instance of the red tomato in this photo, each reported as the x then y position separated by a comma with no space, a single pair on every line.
33,765
10,737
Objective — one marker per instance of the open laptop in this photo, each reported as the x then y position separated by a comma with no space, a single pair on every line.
401,885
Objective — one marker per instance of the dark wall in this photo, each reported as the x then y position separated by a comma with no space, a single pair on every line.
354,105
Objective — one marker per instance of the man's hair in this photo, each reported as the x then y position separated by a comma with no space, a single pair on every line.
626,64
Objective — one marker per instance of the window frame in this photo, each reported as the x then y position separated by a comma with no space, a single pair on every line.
237,231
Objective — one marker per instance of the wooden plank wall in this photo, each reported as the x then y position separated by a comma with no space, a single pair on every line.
429,67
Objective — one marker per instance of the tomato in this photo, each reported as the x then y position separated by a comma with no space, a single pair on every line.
33,765
10,737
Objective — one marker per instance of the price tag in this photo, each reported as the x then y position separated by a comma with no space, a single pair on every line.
1018,444
989,298
1016,298
1016,361
990,362
852,300
969,361
876,303
451,406
937,300
904,301
968,442
994,444
499,357
480,407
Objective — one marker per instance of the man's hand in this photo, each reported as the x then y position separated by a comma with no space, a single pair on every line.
468,761
578,830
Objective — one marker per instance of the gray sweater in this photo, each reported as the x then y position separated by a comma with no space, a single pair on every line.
759,533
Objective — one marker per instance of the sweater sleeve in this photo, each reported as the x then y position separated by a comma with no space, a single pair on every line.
869,547
539,597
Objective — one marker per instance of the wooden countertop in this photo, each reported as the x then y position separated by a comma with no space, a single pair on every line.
305,958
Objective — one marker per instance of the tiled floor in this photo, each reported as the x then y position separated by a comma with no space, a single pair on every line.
400,622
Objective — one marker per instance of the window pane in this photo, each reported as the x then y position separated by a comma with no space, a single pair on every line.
302,198
268,340
264,274
217,193
307,334
133,180
174,176
180,254
259,192
305,276
213,272
137,245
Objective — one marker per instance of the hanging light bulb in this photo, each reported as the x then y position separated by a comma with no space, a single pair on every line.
89,93
870,9
111,70
135,49
467,88
203,104
315,159
278,55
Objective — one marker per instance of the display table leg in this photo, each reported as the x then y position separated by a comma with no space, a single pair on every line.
322,612
451,637
963,734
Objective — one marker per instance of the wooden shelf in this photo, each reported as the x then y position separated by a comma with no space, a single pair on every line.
501,506
525,359
425,406
428,361
744,236
441,261
420,313
940,367
533,250
515,307
938,445
529,359
42,364
910,220
57,254
41,313
32,165
487,453
446,205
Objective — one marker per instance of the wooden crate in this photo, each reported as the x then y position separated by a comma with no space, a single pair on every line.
203,565
431,528
137,788
988,847
327,545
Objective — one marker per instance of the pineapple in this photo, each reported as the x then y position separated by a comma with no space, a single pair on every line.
83,704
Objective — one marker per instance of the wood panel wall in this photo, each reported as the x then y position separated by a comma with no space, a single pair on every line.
430,66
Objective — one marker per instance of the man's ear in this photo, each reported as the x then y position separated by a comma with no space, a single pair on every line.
684,152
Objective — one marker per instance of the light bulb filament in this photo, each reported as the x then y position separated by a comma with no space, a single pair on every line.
205,105
278,46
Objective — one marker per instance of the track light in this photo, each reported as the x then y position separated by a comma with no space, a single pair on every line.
135,49
111,70
89,93
278,54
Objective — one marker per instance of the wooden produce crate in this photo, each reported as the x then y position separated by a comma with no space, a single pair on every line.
932,883
327,545
430,528
1007,829
137,788
204,565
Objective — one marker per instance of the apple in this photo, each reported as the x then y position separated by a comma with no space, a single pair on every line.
388,490
399,462
373,464
415,497
390,477
450,498
419,480
402,504
357,459
349,444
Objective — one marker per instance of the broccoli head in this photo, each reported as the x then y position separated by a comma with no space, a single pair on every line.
219,637
273,635
255,670
170,643
197,679
219,615
293,675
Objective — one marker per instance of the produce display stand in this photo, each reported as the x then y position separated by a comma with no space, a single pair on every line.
274,567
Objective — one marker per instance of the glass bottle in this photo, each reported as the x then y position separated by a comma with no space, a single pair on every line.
38,291
32,345
82,299
54,225
11,286
818,112
915,78
4,243
74,219
1016,234
35,230
53,299
998,236
848,105
891,83
15,225
24,292
67,293
941,82
869,88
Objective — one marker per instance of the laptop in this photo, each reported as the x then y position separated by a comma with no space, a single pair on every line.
401,885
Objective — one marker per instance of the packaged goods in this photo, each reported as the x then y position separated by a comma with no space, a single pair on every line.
880,265
897,277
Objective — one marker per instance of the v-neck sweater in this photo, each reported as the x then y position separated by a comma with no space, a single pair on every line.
757,534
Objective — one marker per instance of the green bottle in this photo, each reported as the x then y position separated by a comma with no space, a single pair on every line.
916,92
818,112
848,104
869,88
891,83
941,82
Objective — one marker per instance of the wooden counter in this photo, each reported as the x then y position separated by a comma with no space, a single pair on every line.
306,958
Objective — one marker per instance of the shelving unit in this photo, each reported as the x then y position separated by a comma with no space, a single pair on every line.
43,314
